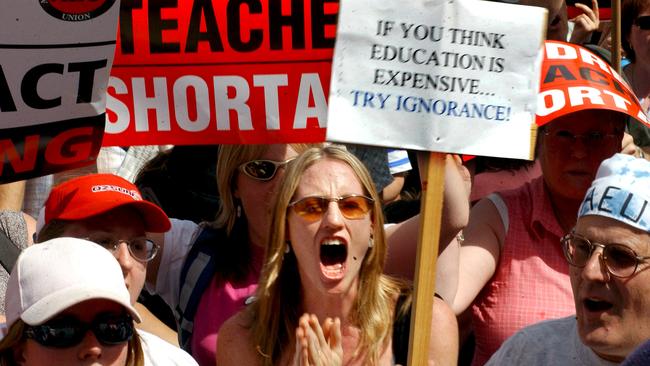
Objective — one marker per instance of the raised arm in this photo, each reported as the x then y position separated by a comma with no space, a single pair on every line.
479,253
17,225
403,237
11,196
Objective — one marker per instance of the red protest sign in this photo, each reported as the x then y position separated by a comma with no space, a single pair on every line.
574,79
604,8
221,71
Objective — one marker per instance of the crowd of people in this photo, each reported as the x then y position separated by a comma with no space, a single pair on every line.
282,255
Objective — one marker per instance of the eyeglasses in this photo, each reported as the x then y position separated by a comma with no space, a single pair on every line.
263,170
312,208
67,331
620,260
643,22
567,138
141,249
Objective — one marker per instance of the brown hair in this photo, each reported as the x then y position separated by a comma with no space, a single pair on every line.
233,261
51,230
630,10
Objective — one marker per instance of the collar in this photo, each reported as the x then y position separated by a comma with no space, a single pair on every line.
542,218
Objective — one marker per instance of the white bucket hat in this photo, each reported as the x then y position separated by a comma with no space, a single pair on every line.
59,273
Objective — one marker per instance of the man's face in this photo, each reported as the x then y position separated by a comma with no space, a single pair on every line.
119,224
612,313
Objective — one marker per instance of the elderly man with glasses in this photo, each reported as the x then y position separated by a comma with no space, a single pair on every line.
608,252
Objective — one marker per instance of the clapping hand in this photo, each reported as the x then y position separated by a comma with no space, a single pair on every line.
318,345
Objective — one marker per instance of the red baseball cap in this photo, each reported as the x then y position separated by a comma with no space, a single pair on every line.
95,194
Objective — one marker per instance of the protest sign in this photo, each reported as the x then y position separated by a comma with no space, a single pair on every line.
574,79
54,68
449,76
221,71
457,76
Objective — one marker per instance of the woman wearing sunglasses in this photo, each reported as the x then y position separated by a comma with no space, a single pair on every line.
67,304
323,297
234,242
635,36
226,256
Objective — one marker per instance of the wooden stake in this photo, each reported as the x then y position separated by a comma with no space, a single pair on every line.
425,267
616,35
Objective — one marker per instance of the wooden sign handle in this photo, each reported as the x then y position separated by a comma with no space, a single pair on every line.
427,255
616,35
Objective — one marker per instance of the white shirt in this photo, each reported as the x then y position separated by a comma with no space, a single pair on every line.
160,353
551,342
178,242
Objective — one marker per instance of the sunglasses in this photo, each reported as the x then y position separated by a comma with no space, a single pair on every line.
312,208
141,249
261,169
620,260
67,331
643,22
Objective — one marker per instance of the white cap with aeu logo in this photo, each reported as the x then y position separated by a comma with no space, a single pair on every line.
54,275
621,191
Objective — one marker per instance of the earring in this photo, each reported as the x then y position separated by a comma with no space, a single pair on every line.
287,248
238,211
371,242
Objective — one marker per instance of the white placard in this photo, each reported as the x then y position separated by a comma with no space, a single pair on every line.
455,76
55,60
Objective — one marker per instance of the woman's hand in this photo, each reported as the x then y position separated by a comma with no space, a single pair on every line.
316,345
586,23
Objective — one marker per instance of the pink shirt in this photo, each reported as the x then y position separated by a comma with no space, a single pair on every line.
217,304
531,282
502,180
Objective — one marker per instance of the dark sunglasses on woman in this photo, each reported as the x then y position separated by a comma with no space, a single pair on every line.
262,169
67,331
643,22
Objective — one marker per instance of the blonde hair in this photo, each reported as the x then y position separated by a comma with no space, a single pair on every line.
16,336
276,312
235,250
230,158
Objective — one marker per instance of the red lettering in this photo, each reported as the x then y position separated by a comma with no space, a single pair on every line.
69,147
9,153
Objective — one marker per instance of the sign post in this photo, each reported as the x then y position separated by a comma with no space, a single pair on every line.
427,255
616,35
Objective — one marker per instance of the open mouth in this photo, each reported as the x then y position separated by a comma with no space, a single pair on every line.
597,305
333,254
